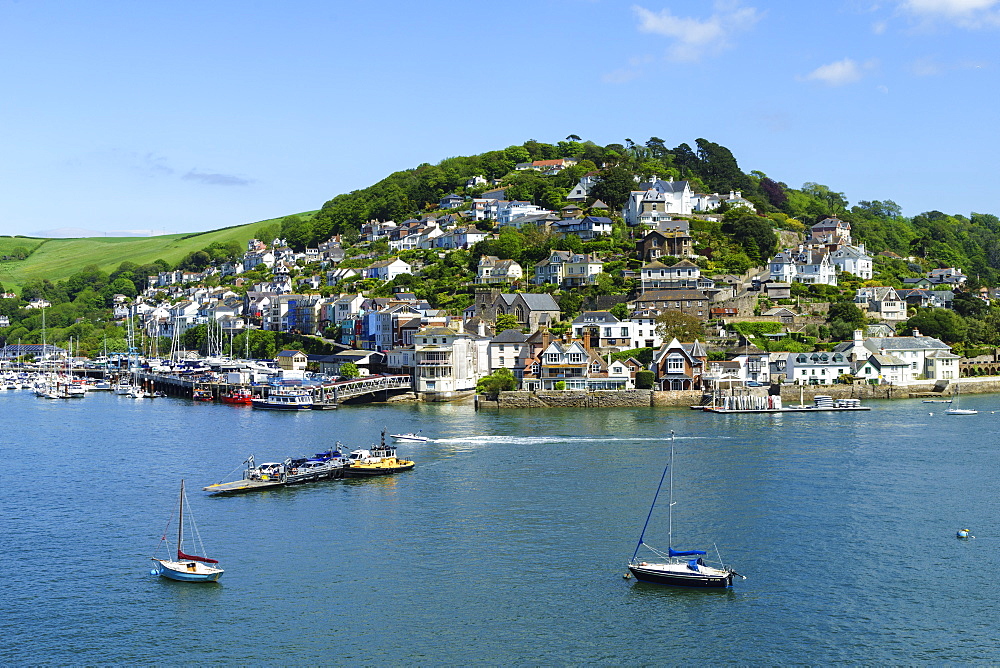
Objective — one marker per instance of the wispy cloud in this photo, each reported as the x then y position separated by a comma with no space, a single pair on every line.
695,38
970,14
839,73
929,67
216,179
626,74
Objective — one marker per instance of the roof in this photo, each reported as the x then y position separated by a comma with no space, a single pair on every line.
595,317
907,343
510,336
290,353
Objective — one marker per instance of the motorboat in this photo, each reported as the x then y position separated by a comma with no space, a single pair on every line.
379,460
410,437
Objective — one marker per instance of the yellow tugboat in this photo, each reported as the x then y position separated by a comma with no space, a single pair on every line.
380,460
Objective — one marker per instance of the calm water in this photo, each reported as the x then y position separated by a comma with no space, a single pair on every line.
508,542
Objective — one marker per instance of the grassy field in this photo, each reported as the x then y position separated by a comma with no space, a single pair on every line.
58,259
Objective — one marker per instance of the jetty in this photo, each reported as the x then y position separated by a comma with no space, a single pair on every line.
325,395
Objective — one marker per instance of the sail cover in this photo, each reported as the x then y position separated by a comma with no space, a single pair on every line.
181,556
685,553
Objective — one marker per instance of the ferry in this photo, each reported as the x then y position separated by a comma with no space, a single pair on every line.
285,399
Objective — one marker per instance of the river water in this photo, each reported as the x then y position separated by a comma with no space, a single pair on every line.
507,543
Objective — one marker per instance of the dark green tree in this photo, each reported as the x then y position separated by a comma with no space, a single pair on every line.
614,187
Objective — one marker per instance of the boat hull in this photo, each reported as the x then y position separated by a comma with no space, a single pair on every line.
675,578
369,470
182,571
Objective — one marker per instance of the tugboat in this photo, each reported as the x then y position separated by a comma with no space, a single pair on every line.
380,460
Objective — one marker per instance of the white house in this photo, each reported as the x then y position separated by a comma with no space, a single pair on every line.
568,269
881,302
386,270
853,260
928,357
816,368
659,202
448,363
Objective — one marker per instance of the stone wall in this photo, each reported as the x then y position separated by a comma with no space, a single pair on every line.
568,399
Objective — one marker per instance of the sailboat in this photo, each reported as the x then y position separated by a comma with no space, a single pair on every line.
677,567
187,567
955,410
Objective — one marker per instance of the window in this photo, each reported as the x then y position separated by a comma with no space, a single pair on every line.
625,331
675,365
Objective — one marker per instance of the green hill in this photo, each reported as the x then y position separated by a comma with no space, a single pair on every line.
58,259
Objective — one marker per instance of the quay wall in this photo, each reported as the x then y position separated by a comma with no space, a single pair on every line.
584,399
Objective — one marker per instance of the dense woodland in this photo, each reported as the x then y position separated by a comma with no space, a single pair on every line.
740,241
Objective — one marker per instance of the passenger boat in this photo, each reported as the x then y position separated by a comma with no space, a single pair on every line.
380,460
284,399
186,567
238,396
202,394
676,567
410,437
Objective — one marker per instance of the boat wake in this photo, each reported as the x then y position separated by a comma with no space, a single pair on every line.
537,440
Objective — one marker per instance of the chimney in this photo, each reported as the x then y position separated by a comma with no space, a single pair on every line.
916,332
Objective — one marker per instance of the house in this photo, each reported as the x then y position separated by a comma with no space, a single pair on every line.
774,290
680,366
574,366
691,302
805,265
292,360
659,202
681,275
881,302
883,370
509,350
820,368
581,190
587,228
601,330
929,358
831,232
532,310
949,275
548,167
568,269
853,260
451,201
676,242
448,363
491,269
754,362
386,270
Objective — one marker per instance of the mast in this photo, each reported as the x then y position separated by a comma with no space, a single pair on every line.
653,505
670,504
180,521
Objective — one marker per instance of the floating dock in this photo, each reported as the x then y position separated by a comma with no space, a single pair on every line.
772,404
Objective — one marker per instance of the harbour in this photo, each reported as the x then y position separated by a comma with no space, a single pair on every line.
487,552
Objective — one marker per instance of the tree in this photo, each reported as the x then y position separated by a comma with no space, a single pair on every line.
613,188
506,321
501,380
621,311
755,234
678,325
939,323
349,370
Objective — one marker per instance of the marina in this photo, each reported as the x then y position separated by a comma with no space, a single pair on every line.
490,541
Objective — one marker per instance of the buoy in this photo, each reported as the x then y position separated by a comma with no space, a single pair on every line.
963,534
930,413
627,576
153,572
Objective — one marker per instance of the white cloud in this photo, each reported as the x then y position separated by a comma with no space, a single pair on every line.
838,73
694,38
620,76
963,13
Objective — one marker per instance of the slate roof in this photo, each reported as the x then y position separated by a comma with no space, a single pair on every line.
907,343
510,336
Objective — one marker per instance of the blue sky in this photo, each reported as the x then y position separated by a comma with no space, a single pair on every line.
187,116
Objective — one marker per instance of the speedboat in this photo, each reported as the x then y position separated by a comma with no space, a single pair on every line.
410,437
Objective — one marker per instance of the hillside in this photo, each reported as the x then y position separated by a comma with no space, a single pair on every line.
58,259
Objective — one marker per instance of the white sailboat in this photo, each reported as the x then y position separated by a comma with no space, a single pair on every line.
955,410
186,567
